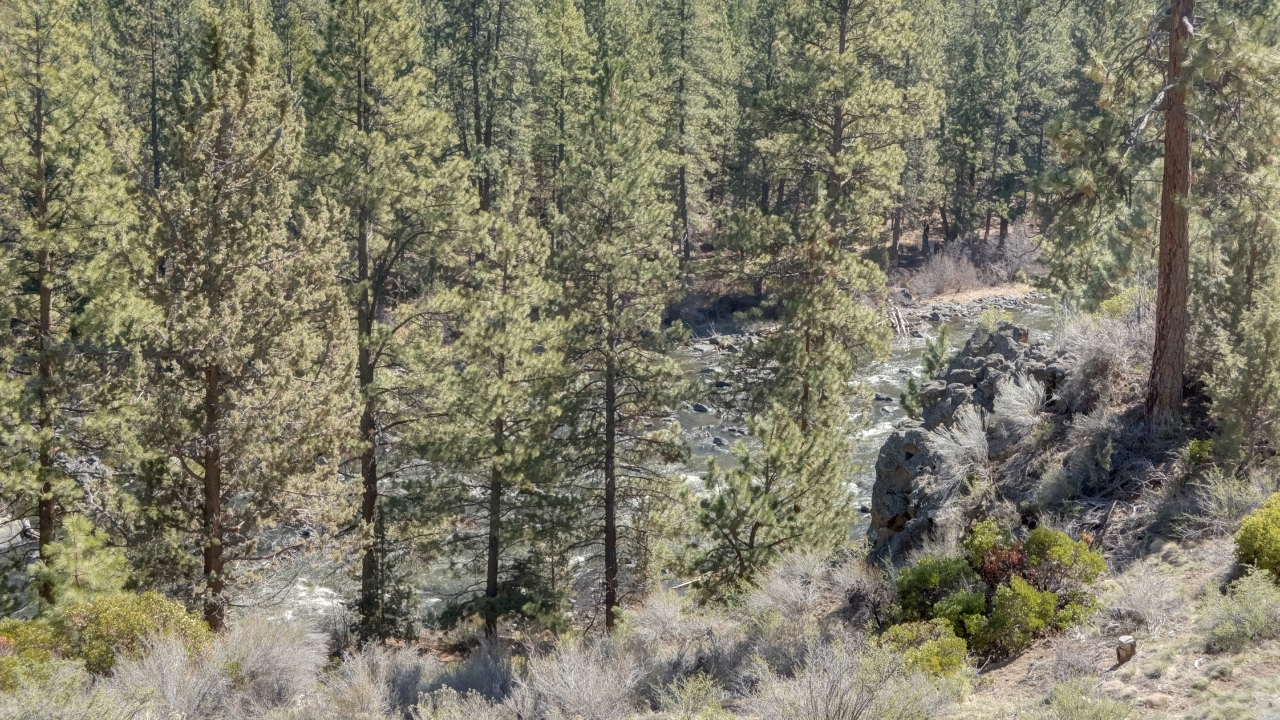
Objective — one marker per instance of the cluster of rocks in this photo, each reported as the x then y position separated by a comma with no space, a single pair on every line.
909,500
916,315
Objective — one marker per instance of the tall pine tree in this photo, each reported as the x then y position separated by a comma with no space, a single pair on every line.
379,157
250,384
63,214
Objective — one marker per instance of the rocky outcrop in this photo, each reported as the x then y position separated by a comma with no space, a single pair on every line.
910,503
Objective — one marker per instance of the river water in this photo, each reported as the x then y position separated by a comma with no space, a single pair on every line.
713,432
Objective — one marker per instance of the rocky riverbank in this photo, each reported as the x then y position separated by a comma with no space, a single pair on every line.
911,500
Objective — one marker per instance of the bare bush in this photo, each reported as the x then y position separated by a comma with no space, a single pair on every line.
849,679
1019,403
945,272
1106,351
1217,501
593,681
270,663
1015,258
177,684
1146,595
961,449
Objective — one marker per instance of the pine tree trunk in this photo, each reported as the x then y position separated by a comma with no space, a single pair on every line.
48,504
48,501
1164,393
610,493
924,242
897,238
369,590
495,528
1004,231
214,605
682,205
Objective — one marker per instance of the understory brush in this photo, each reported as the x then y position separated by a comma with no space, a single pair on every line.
1248,611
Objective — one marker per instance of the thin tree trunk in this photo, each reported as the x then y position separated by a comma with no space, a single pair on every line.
215,579
1004,231
48,503
946,229
897,238
48,500
924,242
495,521
1164,393
610,493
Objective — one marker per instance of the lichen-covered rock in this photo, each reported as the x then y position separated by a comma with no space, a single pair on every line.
908,501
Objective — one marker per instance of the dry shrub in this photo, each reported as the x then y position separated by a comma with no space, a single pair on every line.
1016,258
1248,612
259,665
795,587
1216,502
269,663
593,681
177,684
1146,595
1070,660
1019,403
1078,700
849,678
1106,351
680,641
486,672
67,693
962,448
944,273
448,704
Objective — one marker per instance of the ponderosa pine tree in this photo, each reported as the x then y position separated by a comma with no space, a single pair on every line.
378,152
151,47
485,53
619,277
843,110
63,213
500,378
698,68
562,96
250,371
794,490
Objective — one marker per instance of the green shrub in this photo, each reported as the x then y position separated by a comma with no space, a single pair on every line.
1199,452
993,316
1258,541
929,646
1058,564
922,585
96,633
982,537
116,626
1248,612
27,647
964,610
1019,614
